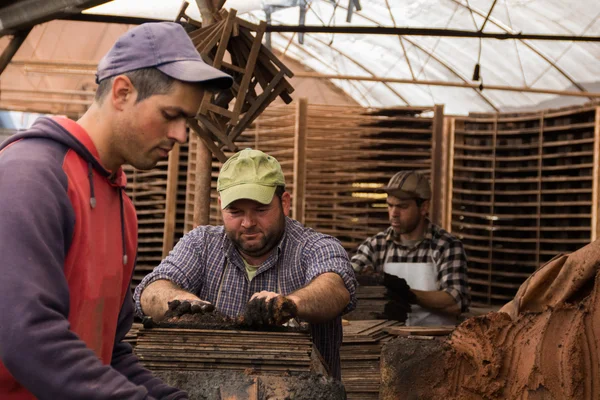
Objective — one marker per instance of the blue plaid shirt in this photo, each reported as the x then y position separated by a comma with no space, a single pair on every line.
206,263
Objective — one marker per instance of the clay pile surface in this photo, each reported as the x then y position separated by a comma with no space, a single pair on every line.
544,344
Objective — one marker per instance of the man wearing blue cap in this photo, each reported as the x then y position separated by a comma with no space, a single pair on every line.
68,231
260,265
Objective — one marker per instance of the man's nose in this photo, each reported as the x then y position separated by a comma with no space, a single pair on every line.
178,131
248,220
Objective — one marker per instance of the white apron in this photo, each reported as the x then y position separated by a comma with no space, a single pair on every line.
420,276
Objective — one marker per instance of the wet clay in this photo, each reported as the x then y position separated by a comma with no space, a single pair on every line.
544,344
215,320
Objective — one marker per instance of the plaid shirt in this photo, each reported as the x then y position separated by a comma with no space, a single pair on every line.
206,263
438,247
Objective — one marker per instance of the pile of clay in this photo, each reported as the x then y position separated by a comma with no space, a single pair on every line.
544,344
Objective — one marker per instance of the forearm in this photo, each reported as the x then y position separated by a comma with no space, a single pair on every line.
322,299
437,300
156,297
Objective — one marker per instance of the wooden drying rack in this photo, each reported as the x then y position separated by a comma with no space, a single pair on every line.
233,45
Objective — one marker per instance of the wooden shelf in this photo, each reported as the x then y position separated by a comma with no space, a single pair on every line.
539,170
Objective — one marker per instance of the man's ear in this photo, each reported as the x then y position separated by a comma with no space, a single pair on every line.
286,202
425,207
122,92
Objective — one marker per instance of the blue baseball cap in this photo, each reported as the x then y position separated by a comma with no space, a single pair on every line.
165,46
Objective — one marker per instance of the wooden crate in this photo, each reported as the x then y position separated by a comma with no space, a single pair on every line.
524,188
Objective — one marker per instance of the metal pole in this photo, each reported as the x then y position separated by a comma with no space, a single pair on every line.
443,83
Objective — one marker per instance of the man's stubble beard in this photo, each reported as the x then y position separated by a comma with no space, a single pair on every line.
267,244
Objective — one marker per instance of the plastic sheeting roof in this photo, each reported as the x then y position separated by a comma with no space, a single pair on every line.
558,65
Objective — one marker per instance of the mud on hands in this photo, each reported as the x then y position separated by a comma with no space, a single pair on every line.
265,311
177,308
399,296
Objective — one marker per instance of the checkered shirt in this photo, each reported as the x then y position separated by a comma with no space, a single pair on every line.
438,247
206,263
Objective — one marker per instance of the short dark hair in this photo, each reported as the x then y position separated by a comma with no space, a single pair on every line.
147,81
420,201
279,191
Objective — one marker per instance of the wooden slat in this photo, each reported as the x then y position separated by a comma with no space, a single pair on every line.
528,183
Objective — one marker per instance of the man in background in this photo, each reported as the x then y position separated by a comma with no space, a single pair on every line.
422,264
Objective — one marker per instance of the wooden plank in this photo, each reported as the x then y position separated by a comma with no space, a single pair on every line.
170,200
250,66
450,179
419,330
595,177
438,165
299,197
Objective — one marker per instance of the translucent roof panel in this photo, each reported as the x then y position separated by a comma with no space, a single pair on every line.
554,65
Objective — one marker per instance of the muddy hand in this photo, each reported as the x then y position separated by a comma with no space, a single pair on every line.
399,288
177,308
263,311
396,310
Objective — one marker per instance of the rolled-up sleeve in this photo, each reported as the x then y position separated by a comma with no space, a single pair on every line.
328,255
364,256
452,275
183,266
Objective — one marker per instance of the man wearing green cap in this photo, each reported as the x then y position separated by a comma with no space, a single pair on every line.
259,260
421,263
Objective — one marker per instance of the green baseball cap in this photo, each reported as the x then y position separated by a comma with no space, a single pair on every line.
249,174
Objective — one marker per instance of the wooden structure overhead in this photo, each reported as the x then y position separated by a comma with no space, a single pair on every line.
235,46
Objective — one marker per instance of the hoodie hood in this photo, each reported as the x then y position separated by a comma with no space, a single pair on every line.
71,134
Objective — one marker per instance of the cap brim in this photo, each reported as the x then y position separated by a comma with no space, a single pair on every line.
401,194
250,191
197,71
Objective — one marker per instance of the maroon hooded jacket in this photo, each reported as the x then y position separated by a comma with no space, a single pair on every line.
68,242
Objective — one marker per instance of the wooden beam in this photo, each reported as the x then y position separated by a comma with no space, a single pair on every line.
596,179
208,10
437,166
202,187
523,89
361,30
171,200
84,93
10,50
450,173
25,14
299,196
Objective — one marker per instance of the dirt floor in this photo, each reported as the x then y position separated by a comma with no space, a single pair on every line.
215,385
542,345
